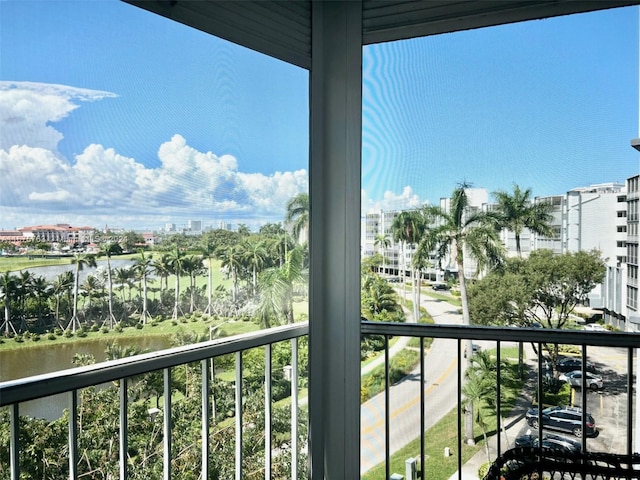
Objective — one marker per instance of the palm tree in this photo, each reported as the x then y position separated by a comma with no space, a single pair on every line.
208,250
142,267
462,229
176,260
382,241
298,214
80,261
277,285
108,249
41,290
254,256
192,266
63,283
124,278
162,268
7,292
231,257
517,211
407,228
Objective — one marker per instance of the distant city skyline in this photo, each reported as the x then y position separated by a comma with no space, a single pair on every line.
149,129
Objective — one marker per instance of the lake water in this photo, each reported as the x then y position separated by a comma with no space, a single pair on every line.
25,362
51,272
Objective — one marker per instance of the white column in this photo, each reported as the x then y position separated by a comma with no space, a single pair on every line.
335,164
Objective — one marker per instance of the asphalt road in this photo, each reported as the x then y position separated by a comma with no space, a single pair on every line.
440,388
608,406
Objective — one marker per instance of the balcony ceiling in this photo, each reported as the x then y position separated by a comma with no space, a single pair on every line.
282,29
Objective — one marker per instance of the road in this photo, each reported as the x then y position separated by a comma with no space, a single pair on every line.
439,386
607,406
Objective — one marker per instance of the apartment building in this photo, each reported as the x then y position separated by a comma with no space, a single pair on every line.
633,212
58,233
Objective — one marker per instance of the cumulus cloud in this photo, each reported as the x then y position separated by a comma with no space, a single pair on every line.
28,108
392,201
100,183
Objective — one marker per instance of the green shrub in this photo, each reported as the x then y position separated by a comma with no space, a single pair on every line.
139,326
95,327
52,336
35,338
118,328
104,330
483,469
58,332
68,333
18,338
81,333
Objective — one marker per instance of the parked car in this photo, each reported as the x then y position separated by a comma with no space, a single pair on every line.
569,364
594,327
440,286
574,379
550,440
395,280
566,419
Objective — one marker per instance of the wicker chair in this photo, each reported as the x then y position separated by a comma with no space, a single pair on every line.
545,463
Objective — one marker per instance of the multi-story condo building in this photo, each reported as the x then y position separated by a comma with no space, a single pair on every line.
633,212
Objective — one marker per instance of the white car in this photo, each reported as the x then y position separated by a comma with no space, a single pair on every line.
574,379
595,327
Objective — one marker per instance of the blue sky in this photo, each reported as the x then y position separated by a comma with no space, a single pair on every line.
112,115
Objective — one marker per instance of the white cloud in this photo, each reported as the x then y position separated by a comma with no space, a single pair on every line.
392,201
101,186
27,108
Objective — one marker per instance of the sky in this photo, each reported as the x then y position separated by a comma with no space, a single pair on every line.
111,115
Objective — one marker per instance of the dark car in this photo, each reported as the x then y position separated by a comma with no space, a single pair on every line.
556,442
566,419
570,364
440,286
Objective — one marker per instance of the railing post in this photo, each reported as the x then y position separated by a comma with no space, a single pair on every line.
73,435
166,457
387,408
123,429
267,412
238,469
294,409
205,416
14,446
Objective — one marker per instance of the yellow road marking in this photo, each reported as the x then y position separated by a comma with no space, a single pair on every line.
414,401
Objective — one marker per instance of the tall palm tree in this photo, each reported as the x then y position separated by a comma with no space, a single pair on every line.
517,211
8,288
463,229
161,266
142,266
80,261
208,249
408,228
90,287
108,249
298,215
277,285
254,256
382,241
231,257
176,259
61,285
192,266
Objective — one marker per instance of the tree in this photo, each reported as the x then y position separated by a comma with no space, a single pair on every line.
142,267
459,230
254,256
543,289
7,292
231,257
298,215
80,261
108,249
131,239
382,241
192,266
379,301
176,260
208,249
407,228
517,211
277,286
61,285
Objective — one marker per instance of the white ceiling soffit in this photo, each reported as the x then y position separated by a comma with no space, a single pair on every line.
282,28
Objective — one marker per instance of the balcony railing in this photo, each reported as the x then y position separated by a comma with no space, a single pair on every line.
70,382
